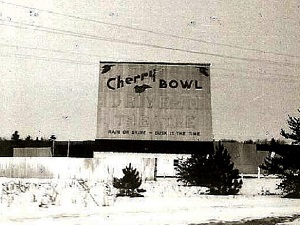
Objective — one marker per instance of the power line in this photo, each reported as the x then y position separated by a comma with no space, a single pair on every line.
69,61
77,53
279,76
50,50
114,40
95,55
262,78
151,31
25,56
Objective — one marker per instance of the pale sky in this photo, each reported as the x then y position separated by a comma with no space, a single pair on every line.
50,53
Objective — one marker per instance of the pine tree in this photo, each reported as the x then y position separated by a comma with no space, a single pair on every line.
274,164
15,136
225,178
214,171
286,164
129,183
194,170
294,125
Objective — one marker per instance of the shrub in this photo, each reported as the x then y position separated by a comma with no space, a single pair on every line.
214,171
287,168
286,163
129,183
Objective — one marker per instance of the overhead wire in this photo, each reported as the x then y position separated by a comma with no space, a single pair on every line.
60,60
273,75
85,62
51,50
77,62
97,56
150,31
115,40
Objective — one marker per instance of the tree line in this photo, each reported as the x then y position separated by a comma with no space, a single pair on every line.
16,137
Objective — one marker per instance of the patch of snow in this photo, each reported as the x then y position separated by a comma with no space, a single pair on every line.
74,202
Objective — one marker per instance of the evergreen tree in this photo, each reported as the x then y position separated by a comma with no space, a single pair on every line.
214,171
52,137
129,183
294,125
274,164
15,136
286,164
28,138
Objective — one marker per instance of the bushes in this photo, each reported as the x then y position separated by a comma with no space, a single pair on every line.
214,171
129,183
287,168
286,163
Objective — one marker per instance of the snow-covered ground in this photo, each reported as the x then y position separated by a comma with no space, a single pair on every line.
75,202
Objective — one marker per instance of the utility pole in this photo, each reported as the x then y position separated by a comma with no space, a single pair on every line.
53,138
53,148
68,152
